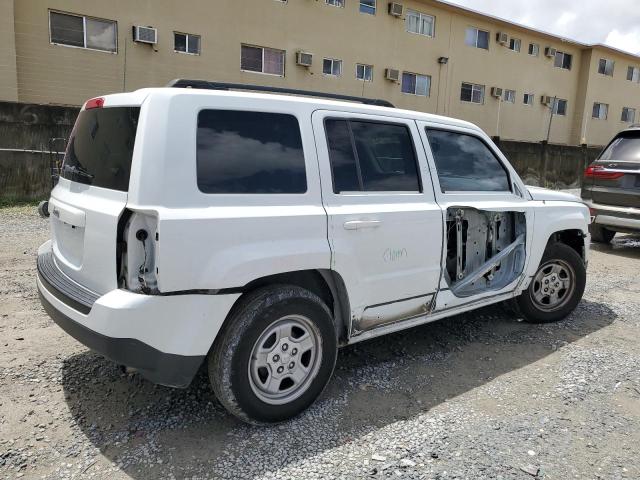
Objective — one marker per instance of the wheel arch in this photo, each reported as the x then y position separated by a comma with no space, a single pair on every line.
574,238
325,283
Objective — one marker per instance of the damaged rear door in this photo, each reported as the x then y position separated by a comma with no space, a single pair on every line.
486,216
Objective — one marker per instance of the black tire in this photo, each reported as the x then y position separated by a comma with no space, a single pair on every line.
43,209
601,234
530,310
229,361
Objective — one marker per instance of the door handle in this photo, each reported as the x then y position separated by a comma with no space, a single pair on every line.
361,224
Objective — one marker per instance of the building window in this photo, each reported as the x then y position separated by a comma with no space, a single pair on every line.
600,111
476,38
534,49
262,60
515,44
563,60
472,93
628,115
331,66
605,67
560,107
509,96
368,6
528,98
364,72
633,74
83,32
420,23
416,84
335,3
186,43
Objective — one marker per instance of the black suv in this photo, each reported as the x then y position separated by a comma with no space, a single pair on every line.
611,187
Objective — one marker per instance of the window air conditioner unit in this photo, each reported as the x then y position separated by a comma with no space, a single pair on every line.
496,92
392,74
502,38
546,100
304,59
396,9
145,35
550,52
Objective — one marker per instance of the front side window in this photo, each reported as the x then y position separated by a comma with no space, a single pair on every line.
476,38
186,43
262,60
84,32
470,92
416,84
528,98
600,111
331,66
335,3
514,44
371,157
368,6
466,164
510,96
563,60
560,107
605,67
364,72
420,23
534,49
628,115
249,152
633,74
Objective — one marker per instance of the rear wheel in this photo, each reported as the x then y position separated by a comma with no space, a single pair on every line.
275,355
556,287
601,234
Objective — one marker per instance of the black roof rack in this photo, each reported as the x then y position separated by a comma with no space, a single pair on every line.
204,84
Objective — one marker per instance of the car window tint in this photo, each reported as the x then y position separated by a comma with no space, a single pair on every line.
383,159
465,163
343,161
249,152
625,147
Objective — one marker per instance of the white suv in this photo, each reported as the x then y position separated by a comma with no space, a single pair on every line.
257,233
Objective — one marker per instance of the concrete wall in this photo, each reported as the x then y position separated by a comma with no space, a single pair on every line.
60,74
8,70
25,140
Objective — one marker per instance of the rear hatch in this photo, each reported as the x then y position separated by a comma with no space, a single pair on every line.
91,194
614,178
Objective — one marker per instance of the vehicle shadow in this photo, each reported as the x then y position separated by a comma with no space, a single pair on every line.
623,245
155,432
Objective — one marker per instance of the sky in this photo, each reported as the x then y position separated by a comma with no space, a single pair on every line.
613,22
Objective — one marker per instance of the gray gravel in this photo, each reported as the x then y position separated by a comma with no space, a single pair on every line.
476,396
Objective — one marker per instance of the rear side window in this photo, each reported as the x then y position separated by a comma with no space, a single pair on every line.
371,156
465,164
249,152
625,147
101,147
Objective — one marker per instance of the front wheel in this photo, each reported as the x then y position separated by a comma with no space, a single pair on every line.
275,355
556,287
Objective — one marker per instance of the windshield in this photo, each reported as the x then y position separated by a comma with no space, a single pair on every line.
624,148
101,147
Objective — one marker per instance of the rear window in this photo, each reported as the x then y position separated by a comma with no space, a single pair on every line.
626,148
101,147
249,152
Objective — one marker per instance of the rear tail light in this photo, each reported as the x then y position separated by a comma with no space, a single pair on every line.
596,171
97,102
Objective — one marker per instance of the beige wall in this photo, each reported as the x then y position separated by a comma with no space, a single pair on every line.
58,74
8,72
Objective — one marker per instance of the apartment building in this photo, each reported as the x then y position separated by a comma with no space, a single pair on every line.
515,82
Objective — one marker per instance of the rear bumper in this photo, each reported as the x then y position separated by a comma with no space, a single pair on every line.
165,338
624,218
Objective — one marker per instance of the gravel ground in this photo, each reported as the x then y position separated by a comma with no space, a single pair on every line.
476,396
